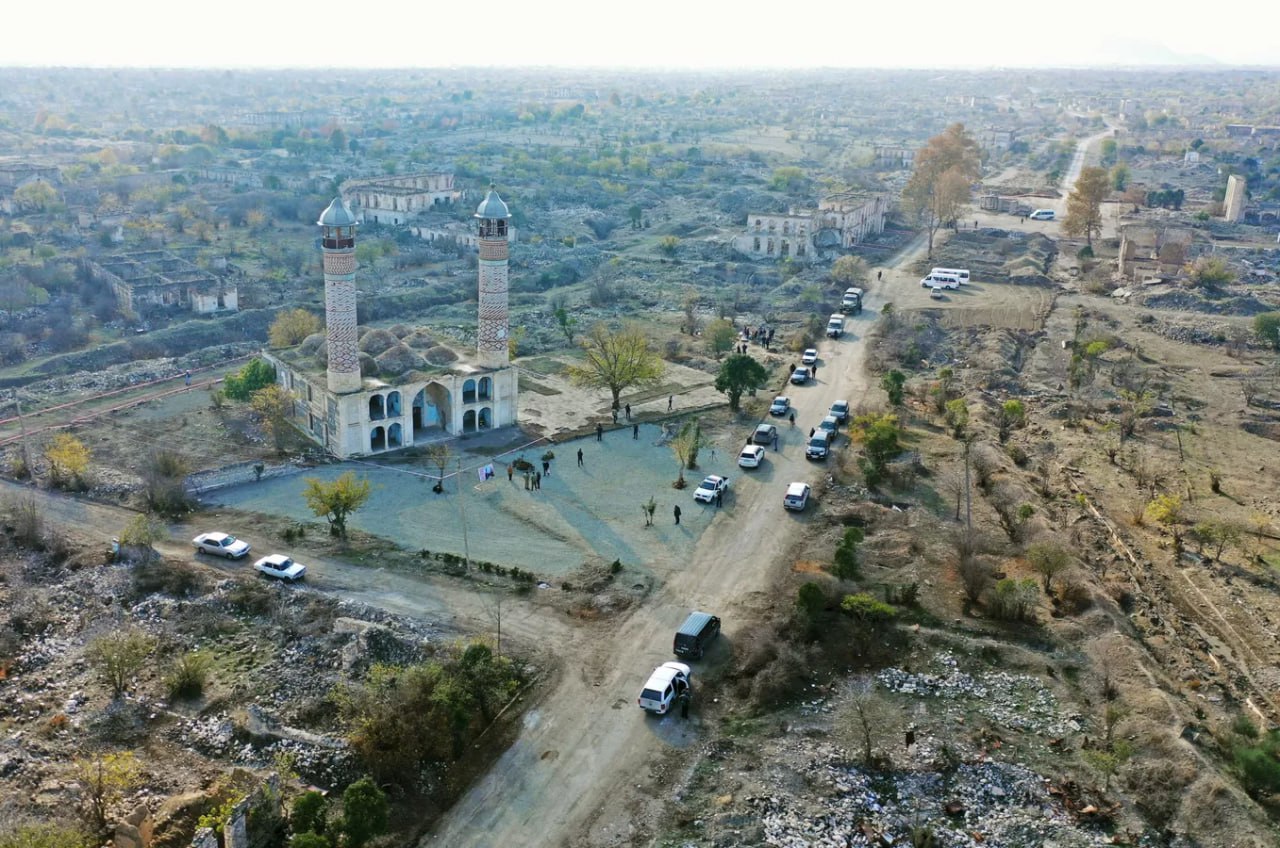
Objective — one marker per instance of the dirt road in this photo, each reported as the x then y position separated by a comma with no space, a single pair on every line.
567,779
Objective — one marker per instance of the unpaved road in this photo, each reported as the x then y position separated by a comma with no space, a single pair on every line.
567,779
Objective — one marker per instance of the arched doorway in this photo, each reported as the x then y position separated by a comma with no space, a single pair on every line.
432,410
469,391
377,409
486,388
469,421
395,436
393,405
485,420
378,439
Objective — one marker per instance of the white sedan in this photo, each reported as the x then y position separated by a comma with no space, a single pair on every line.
279,565
221,544
751,456
810,356
711,486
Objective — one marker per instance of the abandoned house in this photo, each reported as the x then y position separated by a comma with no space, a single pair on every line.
840,222
360,391
159,278
15,175
394,200
1153,253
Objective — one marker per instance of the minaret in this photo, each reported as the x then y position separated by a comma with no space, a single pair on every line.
338,244
491,341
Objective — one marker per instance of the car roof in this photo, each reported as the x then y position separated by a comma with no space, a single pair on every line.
797,488
766,426
840,403
752,449
712,477
276,559
216,536
663,674
694,623
830,418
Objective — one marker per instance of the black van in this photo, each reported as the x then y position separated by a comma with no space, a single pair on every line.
698,631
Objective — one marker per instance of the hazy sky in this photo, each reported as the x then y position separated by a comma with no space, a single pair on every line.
649,33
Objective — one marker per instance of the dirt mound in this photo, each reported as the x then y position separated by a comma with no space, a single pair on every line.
420,340
441,355
311,344
1190,301
400,330
376,342
368,366
398,360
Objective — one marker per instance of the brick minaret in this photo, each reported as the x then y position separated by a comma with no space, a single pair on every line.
338,243
491,341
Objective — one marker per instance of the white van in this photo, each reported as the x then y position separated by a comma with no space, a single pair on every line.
940,281
835,326
1041,215
961,274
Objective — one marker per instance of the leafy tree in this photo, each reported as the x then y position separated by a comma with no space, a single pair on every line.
867,609
1012,414
439,455
1048,560
105,780
117,657
894,384
1119,177
141,533
36,196
1015,600
1166,510
253,376
275,405
337,500
940,183
291,327
789,178
364,813
309,839
1084,204
308,813
68,459
845,559
740,373
685,446
721,336
956,415
617,360
566,322
849,270
338,140
1211,272
1259,765
878,435
635,215
1266,326
810,599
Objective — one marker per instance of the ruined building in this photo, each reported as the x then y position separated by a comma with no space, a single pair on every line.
1234,201
840,222
394,200
159,278
360,391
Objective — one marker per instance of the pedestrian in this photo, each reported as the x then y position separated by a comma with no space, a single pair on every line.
792,416
580,458
670,400
719,498
628,409
975,223
537,481
186,376
599,438
814,370
676,512
775,440
614,413
811,432
635,432
546,468
685,697
879,274
511,472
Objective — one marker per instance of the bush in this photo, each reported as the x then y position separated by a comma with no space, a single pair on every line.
364,813
257,374
867,609
810,599
117,657
43,836
156,577
308,812
1015,600
188,676
845,559
1258,766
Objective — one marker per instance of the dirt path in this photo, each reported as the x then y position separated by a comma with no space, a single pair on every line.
569,778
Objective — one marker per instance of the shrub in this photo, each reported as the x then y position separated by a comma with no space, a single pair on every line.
43,836
308,812
117,657
1258,766
364,813
810,599
845,559
187,677
1015,600
257,374
867,609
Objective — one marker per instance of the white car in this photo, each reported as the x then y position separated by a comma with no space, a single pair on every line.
711,486
810,356
220,544
662,688
279,565
800,376
781,405
751,456
797,496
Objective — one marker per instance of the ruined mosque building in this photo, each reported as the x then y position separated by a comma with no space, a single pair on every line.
360,391
809,235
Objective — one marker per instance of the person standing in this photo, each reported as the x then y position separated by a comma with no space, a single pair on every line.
719,498
813,370
614,413
775,440
635,432
537,481
580,465
599,437
685,697
186,376
676,513
792,418
879,274
670,400
511,472
628,410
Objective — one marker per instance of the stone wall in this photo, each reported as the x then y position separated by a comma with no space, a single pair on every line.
244,831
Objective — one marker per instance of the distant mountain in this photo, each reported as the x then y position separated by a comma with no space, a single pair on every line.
1134,51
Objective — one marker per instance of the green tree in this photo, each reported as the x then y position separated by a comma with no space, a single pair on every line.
956,415
844,562
118,657
878,435
635,215
1166,510
104,780
740,373
253,376
810,599
1211,272
1012,415
685,446
1084,204
789,179
617,360
849,270
36,196
866,609
308,839
337,500
291,327
1048,560
566,322
142,533
1266,326
364,813
894,385
275,405
721,336
940,183
309,812
1119,178
338,140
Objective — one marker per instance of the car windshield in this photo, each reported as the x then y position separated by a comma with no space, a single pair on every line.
710,483
229,540
764,428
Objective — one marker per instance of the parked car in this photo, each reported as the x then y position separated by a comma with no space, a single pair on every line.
797,496
818,446
281,566
764,434
711,485
830,424
699,630
781,405
810,356
835,326
220,544
936,293
751,456
662,688
840,409
940,281
800,376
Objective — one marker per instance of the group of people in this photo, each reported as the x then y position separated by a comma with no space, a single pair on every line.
761,334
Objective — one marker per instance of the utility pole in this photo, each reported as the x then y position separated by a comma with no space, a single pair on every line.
466,548
968,497
26,450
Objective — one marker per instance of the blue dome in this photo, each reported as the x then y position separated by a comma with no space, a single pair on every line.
337,215
492,207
